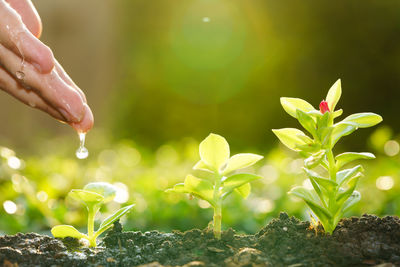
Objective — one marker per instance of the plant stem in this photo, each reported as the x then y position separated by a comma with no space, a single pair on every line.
332,165
217,221
332,194
92,210
217,209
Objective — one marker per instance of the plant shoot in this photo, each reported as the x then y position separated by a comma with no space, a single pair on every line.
215,159
333,187
93,195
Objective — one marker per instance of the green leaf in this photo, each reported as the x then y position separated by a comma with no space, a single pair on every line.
364,120
307,122
291,137
315,114
107,190
200,188
62,231
344,158
353,199
317,189
334,94
323,121
344,195
341,129
214,151
178,188
325,183
323,129
243,190
237,180
108,222
290,105
337,113
240,161
345,175
322,213
200,165
88,197
315,159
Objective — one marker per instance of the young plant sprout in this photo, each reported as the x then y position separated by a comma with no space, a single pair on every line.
215,159
334,188
93,195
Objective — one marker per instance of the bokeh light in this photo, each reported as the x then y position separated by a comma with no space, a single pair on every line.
391,148
384,183
10,207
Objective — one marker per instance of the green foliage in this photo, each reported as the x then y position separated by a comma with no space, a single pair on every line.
39,187
215,158
93,195
333,190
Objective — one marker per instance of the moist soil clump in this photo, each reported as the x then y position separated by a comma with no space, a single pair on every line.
285,241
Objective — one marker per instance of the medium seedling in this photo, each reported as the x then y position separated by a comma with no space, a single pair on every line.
93,195
333,187
215,159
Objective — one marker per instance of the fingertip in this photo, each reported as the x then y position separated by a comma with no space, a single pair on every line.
86,123
29,15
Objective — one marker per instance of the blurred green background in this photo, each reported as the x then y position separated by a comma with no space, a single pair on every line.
161,75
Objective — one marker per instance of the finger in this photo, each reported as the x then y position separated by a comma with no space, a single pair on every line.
50,87
86,123
61,72
28,14
28,97
16,37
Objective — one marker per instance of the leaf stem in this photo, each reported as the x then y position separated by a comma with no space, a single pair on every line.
92,210
332,194
217,209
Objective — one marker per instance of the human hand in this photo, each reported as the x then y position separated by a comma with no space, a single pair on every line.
29,71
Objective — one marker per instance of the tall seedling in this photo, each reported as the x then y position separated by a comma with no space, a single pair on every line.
333,188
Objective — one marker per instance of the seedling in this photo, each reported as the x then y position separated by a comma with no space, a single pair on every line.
93,195
215,159
334,189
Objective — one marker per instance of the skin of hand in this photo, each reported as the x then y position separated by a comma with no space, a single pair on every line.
30,73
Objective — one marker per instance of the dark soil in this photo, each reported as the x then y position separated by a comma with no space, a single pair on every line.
365,241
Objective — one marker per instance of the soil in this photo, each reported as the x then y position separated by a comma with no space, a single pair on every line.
285,241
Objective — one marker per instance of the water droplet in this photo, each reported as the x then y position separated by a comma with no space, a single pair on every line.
20,75
82,152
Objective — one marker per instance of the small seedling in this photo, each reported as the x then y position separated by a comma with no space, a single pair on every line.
334,189
215,159
93,195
